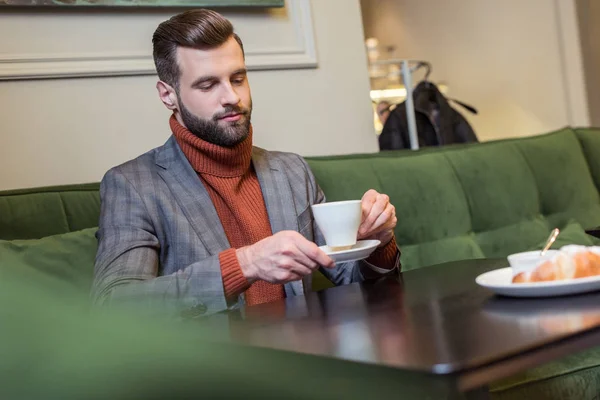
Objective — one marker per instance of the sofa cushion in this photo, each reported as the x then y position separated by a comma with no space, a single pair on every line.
82,208
505,195
39,212
31,216
499,186
429,200
345,179
564,182
590,142
64,261
571,233
439,251
513,238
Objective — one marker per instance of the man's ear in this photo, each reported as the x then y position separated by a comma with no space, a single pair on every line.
167,95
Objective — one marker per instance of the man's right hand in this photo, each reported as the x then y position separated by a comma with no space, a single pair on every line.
284,257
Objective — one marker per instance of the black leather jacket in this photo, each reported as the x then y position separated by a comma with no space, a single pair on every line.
437,122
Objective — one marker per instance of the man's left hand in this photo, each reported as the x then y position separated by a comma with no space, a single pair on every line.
378,217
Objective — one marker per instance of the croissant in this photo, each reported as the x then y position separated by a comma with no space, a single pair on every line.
564,266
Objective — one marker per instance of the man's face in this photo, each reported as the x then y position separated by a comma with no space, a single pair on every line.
214,100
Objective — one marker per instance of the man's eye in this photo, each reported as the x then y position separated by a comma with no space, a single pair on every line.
207,87
238,81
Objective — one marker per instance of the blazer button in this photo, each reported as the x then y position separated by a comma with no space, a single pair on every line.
195,311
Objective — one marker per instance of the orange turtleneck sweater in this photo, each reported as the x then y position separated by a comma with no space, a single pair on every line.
230,179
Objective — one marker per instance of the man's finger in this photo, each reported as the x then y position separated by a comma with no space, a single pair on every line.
293,277
367,201
301,257
384,219
300,269
375,212
314,253
370,195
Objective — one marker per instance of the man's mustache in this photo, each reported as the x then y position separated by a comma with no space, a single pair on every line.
231,110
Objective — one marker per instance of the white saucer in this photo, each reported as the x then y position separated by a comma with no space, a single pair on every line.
361,250
500,282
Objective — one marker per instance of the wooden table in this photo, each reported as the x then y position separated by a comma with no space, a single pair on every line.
435,323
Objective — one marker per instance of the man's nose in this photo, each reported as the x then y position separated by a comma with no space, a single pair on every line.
230,96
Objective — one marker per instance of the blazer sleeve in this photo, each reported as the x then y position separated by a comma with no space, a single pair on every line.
127,261
349,272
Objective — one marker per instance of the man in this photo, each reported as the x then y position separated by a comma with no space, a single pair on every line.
207,222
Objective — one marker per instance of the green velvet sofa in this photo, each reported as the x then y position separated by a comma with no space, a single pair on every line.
483,200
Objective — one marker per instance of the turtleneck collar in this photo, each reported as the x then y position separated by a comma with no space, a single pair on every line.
211,159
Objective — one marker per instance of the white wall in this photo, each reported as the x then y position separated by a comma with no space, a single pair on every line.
518,62
59,131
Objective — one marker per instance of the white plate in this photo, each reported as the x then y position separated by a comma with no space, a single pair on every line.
361,250
500,281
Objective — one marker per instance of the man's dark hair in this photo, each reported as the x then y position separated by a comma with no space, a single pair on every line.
199,29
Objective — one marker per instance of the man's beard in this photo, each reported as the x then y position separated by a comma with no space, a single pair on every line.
211,131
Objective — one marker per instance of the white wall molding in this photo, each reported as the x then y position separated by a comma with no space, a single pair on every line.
301,54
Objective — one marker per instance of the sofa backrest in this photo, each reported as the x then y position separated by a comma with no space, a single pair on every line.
456,202
590,143
470,201
39,212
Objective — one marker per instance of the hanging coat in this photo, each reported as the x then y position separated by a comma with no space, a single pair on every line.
437,122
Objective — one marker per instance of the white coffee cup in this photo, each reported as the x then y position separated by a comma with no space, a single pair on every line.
339,222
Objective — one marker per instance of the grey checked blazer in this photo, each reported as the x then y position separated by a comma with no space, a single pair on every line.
159,235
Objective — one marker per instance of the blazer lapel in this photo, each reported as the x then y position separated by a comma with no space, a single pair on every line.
279,201
276,191
191,195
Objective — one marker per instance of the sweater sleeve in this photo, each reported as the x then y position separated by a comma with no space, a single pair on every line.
385,257
234,281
